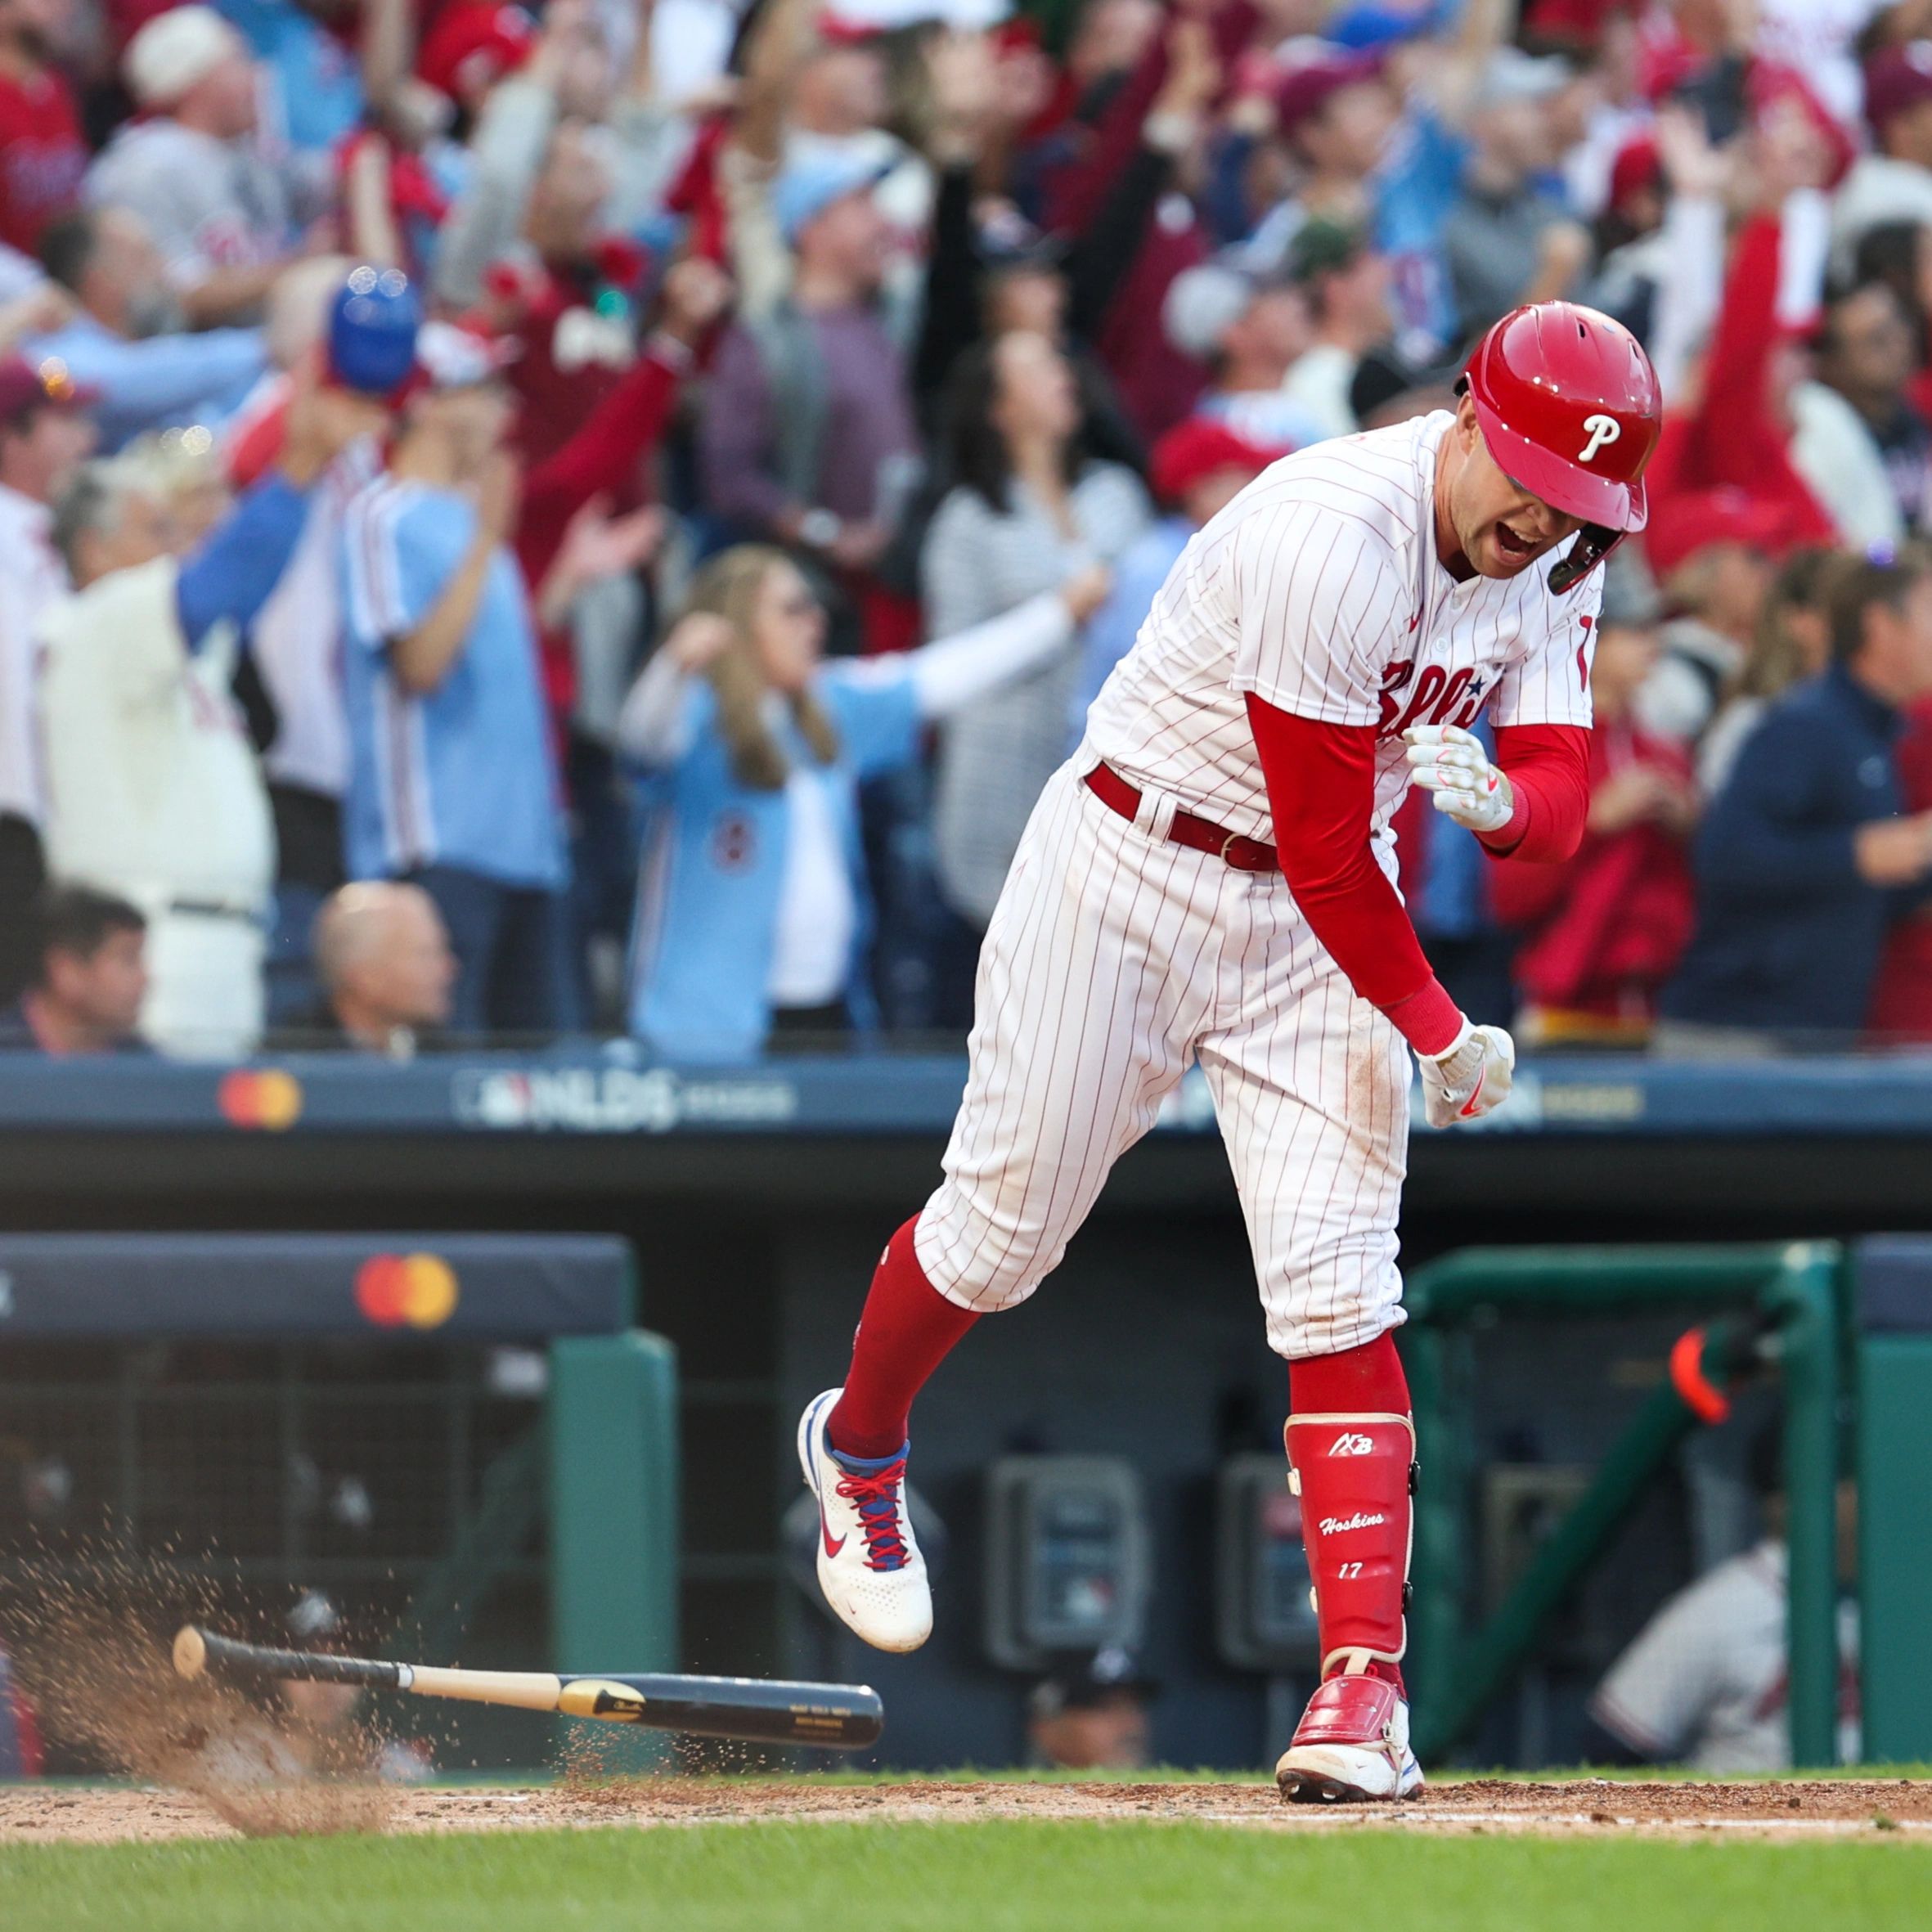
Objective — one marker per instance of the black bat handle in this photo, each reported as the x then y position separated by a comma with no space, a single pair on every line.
224,1653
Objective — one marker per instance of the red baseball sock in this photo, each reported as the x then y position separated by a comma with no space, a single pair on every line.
907,1330
1355,1495
1368,1378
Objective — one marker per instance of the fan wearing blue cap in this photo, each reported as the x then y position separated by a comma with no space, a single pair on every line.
809,438
811,184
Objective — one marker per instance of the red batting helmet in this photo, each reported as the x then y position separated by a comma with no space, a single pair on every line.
1568,404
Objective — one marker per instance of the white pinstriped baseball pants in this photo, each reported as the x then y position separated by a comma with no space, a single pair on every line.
1113,959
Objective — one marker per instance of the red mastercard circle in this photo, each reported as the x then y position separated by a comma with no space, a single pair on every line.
382,1290
235,1097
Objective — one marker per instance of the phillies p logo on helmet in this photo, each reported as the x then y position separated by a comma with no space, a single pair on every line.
1603,429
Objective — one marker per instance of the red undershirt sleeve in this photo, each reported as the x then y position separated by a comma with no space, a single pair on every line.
1321,789
1548,769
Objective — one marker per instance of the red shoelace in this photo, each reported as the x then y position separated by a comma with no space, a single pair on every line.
876,1498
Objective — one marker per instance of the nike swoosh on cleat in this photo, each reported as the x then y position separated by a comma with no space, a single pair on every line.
832,1548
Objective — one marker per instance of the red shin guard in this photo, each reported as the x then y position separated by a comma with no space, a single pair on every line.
1351,1446
907,1330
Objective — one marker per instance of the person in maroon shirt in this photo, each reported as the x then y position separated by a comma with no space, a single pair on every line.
574,487
41,155
1901,996
808,438
1604,928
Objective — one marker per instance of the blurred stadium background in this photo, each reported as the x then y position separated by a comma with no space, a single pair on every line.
439,1423
759,336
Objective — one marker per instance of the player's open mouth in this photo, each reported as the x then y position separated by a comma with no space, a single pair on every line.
1515,549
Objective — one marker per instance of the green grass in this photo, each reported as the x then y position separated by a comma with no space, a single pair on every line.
999,1877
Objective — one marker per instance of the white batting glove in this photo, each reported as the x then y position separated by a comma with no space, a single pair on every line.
1473,1078
1452,764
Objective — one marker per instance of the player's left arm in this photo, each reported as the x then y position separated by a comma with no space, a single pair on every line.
1532,800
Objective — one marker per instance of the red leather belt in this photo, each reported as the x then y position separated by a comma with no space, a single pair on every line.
1200,835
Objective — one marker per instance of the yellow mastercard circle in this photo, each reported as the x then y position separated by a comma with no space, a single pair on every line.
429,1294
278,1099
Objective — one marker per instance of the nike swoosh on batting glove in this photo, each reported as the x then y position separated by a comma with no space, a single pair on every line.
1472,1077
1452,766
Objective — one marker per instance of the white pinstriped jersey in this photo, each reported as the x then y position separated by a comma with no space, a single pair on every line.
1319,589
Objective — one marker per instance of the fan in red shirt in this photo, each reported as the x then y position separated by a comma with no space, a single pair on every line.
1604,928
42,156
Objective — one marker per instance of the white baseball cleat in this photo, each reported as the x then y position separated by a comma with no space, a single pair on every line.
1351,1746
868,1563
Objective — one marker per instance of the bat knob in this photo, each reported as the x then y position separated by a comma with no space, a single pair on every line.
190,1651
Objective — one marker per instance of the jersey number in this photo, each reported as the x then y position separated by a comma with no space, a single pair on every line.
1434,701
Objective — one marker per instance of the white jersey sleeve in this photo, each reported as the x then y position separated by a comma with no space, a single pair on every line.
1550,683
1318,607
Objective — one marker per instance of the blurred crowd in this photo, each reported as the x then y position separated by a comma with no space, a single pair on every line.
799,406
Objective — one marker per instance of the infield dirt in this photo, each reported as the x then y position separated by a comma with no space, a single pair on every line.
45,1815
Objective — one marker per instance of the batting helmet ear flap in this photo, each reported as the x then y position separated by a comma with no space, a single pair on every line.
1594,542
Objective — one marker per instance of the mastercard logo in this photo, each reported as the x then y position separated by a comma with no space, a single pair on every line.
269,1099
406,1290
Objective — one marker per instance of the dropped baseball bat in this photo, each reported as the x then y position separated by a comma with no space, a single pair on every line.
757,1710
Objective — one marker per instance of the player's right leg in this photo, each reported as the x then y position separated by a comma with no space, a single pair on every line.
1311,1088
1104,957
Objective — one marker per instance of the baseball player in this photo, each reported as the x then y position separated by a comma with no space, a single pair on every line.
1209,879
